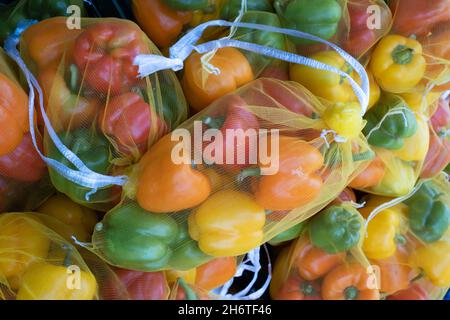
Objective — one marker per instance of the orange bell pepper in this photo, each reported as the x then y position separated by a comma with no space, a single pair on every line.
348,282
162,24
371,176
312,262
47,41
202,88
164,186
13,114
296,182
215,273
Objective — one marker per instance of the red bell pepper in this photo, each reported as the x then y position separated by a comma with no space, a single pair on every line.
144,285
131,122
414,292
104,53
24,163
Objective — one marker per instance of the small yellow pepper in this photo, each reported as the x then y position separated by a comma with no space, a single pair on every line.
45,281
344,118
397,63
189,275
229,223
434,260
415,148
79,219
22,242
384,230
325,84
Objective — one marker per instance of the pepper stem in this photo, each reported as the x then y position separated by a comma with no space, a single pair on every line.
249,172
190,294
307,289
351,293
73,78
367,155
68,256
402,54
400,239
214,123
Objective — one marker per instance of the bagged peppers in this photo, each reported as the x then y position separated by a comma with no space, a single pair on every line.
23,175
97,107
38,264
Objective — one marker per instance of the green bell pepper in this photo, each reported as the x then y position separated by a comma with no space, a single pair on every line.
133,238
289,234
319,17
428,215
335,229
264,38
187,5
389,122
93,150
230,10
12,14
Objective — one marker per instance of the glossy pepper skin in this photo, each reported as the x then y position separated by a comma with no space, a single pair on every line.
236,117
434,260
348,282
235,71
295,288
144,285
66,108
93,150
345,119
371,176
328,85
428,215
24,163
81,220
312,262
228,223
164,186
18,11
336,229
45,281
187,5
415,147
397,63
398,124
264,38
22,243
289,234
132,237
320,18
106,51
230,9
286,189
131,123
384,230
161,23
13,114
215,273
414,292
438,156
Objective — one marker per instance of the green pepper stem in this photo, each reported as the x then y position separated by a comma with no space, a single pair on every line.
190,294
419,276
402,54
249,172
351,293
367,155
68,256
400,239
73,78
308,289
214,123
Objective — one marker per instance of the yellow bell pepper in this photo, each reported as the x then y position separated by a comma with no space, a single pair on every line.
79,219
325,84
44,281
229,223
189,275
22,242
397,63
415,148
417,102
434,260
399,177
344,118
375,91
384,231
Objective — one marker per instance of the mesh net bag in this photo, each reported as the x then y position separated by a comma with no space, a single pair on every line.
97,109
407,241
326,261
38,264
192,200
24,182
